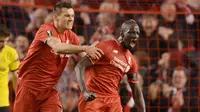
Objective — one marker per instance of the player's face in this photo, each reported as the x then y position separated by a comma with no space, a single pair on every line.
66,18
3,42
130,36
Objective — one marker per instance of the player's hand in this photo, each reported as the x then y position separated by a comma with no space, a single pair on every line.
89,96
94,52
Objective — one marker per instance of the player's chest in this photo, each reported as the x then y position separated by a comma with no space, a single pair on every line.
4,61
119,59
64,38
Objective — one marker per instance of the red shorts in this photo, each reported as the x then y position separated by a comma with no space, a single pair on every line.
100,104
28,100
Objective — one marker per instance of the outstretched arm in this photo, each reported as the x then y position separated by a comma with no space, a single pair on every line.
137,93
80,75
64,48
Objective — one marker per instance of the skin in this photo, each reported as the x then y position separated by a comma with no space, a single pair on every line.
128,39
64,19
179,79
129,36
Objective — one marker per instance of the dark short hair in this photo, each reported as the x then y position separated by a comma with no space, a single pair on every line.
62,4
181,68
4,31
128,22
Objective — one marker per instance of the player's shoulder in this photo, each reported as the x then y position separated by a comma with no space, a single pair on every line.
47,26
107,45
109,42
9,49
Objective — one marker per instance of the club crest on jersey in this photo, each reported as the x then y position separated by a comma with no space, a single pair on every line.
49,33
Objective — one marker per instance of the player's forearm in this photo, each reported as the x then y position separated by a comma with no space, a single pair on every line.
80,77
138,97
80,72
63,48
14,79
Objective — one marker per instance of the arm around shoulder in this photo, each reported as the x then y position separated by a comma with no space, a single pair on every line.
64,48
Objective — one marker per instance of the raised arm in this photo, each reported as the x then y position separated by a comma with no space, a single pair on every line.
64,48
137,92
80,75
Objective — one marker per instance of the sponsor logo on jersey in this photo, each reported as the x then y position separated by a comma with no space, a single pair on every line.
124,67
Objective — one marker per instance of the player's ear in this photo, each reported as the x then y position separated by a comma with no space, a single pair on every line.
54,16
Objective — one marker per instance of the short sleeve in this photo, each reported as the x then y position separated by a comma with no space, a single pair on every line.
44,32
133,75
14,65
134,66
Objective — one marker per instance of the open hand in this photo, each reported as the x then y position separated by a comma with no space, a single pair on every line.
94,52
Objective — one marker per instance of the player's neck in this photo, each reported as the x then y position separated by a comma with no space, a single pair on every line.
58,29
119,40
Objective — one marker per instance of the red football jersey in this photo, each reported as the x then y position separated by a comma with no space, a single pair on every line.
42,68
104,76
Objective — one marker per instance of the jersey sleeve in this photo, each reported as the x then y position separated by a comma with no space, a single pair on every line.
44,32
14,58
133,75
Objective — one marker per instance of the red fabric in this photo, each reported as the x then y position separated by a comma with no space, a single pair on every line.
104,76
100,104
28,100
42,68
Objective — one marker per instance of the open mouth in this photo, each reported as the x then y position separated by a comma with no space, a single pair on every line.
132,44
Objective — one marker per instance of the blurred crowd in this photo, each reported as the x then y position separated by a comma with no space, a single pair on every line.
167,52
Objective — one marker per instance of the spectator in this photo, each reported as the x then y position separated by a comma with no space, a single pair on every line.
21,45
155,99
49,18
182,99
106,23
110,5
37,19
9,62
150,41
